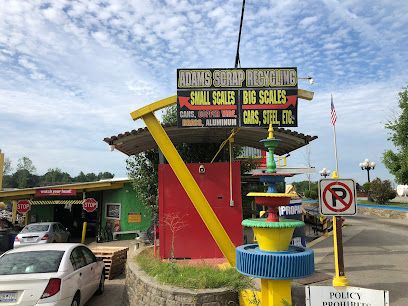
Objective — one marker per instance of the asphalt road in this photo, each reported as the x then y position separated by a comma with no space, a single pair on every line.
375,255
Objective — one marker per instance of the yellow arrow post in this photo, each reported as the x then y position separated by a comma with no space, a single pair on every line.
186,179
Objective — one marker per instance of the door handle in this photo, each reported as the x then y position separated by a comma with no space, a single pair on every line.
91,268
80,274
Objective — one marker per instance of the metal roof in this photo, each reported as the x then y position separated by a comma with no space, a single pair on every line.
105,184
140,140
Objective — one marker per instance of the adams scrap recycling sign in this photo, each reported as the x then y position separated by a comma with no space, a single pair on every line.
237,97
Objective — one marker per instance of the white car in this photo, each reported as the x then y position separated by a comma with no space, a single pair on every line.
44,232
58,274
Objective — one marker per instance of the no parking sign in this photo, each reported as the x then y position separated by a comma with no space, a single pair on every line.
337,197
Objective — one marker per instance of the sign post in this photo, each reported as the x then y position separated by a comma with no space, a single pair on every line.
337,197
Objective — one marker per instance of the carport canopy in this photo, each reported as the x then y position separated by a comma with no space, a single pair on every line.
140,140
83,187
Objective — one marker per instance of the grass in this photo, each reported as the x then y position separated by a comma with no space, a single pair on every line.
388,203
192,277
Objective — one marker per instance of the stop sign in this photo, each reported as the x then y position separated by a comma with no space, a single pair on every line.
90,205
23,206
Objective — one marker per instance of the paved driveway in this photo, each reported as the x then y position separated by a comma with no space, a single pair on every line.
112,295
375,256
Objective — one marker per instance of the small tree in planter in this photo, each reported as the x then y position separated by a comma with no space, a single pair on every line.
382,191
175,223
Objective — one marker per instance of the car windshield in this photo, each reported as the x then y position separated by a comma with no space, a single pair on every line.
31,228
30,262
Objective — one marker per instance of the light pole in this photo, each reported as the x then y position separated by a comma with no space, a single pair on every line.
367,165
324,172
309,78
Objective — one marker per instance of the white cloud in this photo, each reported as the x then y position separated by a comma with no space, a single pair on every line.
308,21
73,70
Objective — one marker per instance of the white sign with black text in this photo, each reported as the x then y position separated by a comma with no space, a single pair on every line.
345,296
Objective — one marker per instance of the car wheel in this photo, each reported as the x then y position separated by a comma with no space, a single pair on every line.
76,300
101,287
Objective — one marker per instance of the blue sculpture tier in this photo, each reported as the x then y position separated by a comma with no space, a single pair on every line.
297,262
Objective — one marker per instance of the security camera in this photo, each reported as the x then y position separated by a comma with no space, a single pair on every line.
201,169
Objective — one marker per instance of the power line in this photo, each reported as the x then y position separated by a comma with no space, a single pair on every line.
237,59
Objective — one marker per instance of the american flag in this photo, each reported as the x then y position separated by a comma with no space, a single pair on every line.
333,116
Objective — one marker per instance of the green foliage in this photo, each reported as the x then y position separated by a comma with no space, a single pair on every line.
55,177
312,194
397,162
25,163
194,277
92,177
381,191
366,187
170,115
143,170
105,175
7,166
302,188
24,176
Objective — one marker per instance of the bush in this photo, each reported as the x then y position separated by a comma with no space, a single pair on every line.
366,187
311,194
381,191
200,276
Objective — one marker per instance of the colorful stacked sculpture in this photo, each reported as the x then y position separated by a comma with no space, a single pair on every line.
274,261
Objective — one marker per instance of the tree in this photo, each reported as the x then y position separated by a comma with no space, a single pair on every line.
309,164
7,166
366,187
92,177
143,167
23,179
170,115
303,186
25,163
143,170
397,162
382,191
55,177
105,175
24,176
175,223
81,177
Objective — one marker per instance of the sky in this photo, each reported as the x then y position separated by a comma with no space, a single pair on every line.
73,70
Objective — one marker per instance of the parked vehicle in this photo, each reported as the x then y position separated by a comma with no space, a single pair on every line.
60,274
8,232
46,232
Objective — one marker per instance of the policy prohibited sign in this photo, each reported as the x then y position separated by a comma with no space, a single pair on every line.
337,197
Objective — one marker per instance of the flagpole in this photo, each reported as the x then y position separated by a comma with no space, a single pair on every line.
340,279
335,149
335,144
